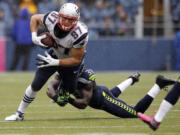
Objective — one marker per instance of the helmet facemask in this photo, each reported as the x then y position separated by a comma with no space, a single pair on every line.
68,16
66,23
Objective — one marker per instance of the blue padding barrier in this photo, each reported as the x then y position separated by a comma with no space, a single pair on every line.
118,54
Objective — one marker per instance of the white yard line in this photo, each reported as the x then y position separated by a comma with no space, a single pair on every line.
61,111
74,111
90,134
67,118
106,134
14,134
82,127
70,127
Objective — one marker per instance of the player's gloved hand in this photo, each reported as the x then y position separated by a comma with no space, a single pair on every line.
46,61
37,40
62,100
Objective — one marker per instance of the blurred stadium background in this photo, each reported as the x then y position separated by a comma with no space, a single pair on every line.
125,36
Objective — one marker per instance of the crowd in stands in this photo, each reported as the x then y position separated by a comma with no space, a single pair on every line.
175,6
103,17
106,18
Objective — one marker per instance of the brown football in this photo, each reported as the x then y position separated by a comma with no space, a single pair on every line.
48,40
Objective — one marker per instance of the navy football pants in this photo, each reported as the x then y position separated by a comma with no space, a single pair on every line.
68,76
108,101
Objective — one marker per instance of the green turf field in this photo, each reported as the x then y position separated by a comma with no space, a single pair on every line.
45,118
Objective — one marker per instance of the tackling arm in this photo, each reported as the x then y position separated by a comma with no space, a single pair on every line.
52,87
82,103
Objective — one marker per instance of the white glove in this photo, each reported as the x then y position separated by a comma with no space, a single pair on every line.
47,61
37,40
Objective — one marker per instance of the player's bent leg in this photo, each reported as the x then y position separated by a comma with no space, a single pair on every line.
143,104
40,79
149,120
117,107
165,106
173,95
116,91
160,83
69,78
29,96
169,101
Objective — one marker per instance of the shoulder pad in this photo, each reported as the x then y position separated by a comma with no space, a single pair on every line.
87,76
48,17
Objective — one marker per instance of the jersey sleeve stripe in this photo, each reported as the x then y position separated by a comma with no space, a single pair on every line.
80,39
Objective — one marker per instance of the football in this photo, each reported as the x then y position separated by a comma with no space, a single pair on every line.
48,40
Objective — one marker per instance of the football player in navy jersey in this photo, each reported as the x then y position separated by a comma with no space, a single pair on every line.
71,37
100,97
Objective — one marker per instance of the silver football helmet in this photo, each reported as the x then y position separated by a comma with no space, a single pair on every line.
69,15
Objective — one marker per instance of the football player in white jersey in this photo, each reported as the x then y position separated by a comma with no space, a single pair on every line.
66,58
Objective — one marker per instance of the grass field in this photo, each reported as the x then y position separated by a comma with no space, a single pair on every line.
45,118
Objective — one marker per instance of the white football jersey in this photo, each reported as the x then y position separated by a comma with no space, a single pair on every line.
77,37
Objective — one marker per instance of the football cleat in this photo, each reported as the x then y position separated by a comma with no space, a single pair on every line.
18,116
163,81
135,77
154,125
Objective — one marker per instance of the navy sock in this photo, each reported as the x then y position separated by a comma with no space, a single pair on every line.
115,91
143,104
173,96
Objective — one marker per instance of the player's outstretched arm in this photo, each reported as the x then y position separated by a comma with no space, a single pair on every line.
81,103
52,92
52,86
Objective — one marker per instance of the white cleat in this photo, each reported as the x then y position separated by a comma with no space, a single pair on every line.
15,117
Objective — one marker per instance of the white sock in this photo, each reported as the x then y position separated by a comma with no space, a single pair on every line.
27,99
154,91
122,86
163,110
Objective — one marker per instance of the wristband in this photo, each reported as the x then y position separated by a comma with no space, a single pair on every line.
34,34
59,62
